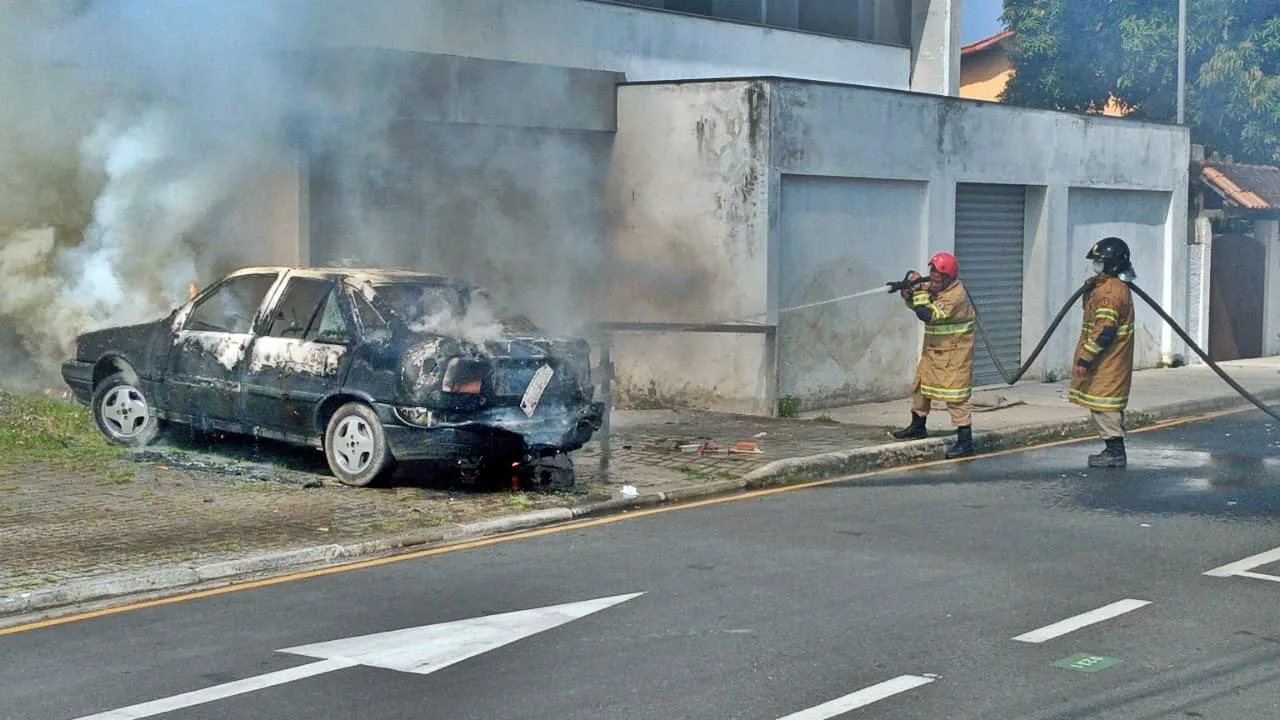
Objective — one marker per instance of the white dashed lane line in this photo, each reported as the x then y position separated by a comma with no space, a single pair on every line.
1072,624
861,698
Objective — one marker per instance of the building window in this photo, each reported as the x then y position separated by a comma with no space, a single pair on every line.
881,21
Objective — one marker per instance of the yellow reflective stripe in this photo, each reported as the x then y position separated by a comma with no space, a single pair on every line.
1126,329
946,394
949,328
1092,347
1098,402
920,298
1107,313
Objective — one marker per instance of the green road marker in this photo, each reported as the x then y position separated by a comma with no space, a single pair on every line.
1087,662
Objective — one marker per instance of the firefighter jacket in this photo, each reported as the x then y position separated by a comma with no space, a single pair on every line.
945,370
1105,347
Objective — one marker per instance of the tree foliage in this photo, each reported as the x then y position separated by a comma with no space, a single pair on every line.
1076,55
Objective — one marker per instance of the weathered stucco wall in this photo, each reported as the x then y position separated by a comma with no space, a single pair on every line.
485,170
643,44
858,186
690,240
845,132
838,236
1139,218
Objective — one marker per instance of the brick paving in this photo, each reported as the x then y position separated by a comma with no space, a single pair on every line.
193,501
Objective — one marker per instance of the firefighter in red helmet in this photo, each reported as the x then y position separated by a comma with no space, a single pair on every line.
945,370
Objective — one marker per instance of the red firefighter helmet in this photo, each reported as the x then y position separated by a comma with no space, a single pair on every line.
944,263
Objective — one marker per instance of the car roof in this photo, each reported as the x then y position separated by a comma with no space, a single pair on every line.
357,274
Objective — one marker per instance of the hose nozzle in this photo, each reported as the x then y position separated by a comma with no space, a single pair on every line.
906,282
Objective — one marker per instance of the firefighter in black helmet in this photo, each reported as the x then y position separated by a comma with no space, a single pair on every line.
1103,367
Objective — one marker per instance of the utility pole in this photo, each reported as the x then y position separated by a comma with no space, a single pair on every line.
1182,59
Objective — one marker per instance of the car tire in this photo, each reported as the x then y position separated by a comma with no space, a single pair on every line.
355,446
123,413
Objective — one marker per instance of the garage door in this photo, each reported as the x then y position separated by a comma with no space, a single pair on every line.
990,222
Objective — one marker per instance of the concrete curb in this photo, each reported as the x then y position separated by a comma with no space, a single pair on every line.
780,472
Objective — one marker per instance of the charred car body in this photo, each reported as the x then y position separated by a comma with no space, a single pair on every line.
372,366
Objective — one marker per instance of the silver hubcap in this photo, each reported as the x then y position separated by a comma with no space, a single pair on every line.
353,445
124,412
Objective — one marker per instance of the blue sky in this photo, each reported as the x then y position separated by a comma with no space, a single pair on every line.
981,18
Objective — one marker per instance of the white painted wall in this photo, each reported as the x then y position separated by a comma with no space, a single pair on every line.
859,139
935,42
1139,219
1199,276
690,241
838,236
862,132
1267,232
644,44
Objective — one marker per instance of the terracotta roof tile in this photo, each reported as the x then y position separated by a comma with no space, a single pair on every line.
1253,187
980,45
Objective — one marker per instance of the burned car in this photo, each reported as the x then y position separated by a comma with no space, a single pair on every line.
371,366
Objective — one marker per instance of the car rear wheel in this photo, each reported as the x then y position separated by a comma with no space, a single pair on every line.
123,413
355,446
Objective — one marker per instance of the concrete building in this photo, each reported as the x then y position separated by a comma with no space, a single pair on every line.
719,162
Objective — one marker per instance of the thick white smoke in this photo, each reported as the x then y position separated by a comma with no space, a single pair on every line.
135,123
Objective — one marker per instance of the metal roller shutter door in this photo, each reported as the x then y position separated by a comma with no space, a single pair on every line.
990,223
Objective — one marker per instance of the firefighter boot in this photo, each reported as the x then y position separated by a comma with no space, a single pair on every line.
1112,457
914,431
963,446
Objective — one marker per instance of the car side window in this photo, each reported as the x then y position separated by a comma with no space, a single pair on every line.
330,326
232,307
298,309
370,320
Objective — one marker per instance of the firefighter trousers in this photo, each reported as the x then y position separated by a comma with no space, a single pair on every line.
1108,424
961,412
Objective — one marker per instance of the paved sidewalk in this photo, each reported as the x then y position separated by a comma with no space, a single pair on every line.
184,514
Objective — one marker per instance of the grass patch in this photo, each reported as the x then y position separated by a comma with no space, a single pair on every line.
44,430
789,407
117,476
520,500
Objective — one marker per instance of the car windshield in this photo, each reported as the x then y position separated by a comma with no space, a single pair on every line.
450,309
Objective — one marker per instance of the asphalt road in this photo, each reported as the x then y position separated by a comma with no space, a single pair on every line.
948,583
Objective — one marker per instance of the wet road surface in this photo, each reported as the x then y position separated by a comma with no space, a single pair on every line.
1019,586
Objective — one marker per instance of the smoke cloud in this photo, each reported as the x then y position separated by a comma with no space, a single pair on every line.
140,141
126,128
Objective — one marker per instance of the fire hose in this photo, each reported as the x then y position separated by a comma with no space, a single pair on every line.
906,282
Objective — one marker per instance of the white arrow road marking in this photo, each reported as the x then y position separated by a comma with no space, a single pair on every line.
429,648
1241,568
419,650
1071,624
861,698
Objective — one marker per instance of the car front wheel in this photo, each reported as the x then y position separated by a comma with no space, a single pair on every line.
355,446
123,413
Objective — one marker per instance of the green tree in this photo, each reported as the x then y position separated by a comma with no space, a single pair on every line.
1075,55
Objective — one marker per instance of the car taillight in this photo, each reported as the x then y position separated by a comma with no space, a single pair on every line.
464,376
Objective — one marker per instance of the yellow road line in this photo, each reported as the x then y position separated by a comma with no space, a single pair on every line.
554,529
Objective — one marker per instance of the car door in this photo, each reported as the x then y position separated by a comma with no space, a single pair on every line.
209,348
299,357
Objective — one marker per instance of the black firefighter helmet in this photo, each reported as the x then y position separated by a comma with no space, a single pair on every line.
1113,253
